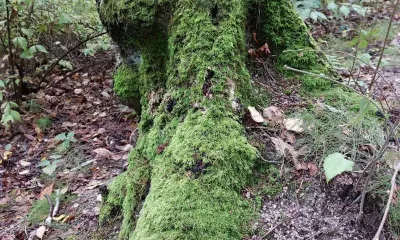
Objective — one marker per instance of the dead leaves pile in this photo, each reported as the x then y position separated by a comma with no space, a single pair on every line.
289,128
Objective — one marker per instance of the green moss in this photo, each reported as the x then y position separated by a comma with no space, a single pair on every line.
194,146
126,83
288,37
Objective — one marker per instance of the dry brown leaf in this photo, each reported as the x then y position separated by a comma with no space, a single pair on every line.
103,153
392,158
273,114
93,184
313,169
48,190
294,125
24,172
6,155
24,163
281,147
40,232
68,124
4,200
255,115
125,148
78,91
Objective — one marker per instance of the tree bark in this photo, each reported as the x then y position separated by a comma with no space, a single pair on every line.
185,60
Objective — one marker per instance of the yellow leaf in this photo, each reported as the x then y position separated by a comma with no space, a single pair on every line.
6,155
59,218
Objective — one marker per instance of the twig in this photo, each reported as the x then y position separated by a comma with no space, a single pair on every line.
389,202
49,217
69,51
57,205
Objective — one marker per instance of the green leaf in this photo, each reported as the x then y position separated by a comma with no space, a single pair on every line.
364,106
322,16
70,135
360,10
27,54
332,6
363,43
1,96
32,49
13,104
2,84
61,137
8,147
66,64
21,42
314,15
305,13
49,170
365,59
64,19
27,32
41,49
335,164
345,10
15,115
44,163
6,118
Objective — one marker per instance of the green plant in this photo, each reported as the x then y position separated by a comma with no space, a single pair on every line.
66,139
50,165
9,114
44,122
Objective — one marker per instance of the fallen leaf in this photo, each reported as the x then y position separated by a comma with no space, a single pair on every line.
4,200
125,148
255,115
161,148
48,190
281,147
68,124
59,218
93,184
101,130
78,91
103,114
313,169
64,190
294,125
24,172
273,114
40,232
392,158
264,50
6,155
103,153
24,163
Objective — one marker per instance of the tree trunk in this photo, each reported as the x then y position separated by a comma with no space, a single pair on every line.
185,61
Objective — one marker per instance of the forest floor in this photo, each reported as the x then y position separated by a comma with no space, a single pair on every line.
97,133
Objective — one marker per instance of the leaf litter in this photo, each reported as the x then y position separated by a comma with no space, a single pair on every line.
81,106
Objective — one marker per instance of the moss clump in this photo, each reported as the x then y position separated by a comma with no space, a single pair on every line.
126,83
288,37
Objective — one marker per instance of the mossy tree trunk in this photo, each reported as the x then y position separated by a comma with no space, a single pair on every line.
185,61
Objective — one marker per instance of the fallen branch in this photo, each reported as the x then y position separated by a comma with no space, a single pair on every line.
389,202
